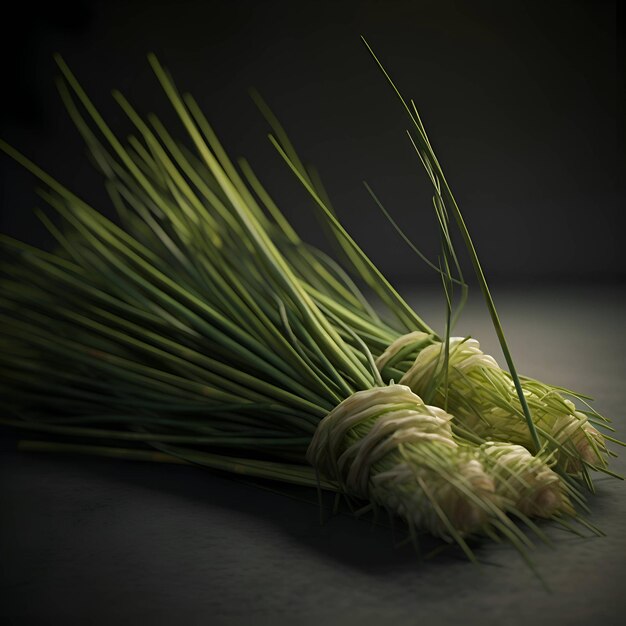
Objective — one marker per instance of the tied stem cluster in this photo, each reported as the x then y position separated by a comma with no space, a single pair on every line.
200,327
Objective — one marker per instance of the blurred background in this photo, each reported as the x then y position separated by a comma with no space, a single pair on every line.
524,104
523,101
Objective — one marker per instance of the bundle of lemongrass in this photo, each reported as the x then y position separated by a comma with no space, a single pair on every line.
203,327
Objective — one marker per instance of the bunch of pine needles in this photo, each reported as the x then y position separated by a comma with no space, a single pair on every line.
200,327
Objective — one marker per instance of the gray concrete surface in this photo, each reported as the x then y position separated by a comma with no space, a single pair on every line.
92,541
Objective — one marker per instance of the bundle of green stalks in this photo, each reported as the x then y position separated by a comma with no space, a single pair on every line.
202,326
451,373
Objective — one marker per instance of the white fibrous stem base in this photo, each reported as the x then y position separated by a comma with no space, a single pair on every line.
386,445
526,482
485,404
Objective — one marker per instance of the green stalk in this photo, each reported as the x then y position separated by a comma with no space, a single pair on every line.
429,161
283,472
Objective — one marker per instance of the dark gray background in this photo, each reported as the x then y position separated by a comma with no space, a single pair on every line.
523,101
